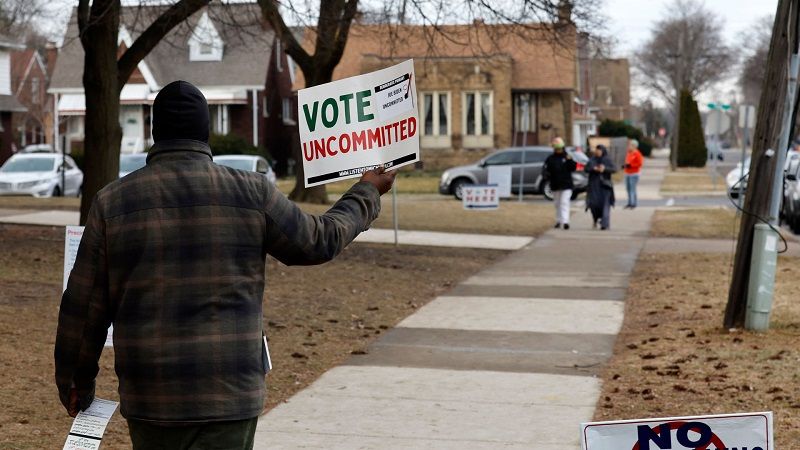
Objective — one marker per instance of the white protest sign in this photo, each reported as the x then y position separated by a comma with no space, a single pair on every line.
751,431
88,427
501,176
480,197
357,124
72,241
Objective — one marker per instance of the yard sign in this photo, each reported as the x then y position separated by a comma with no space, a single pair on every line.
356,124
751,431
480,197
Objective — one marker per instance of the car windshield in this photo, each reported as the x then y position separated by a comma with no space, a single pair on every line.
131,163
18,165
235,163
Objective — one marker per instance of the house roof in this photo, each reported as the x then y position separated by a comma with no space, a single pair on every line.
248,46
22,63
539,61
10,103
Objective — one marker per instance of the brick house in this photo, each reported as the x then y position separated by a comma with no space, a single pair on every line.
480,87
30,77
223,49
611,88
9,105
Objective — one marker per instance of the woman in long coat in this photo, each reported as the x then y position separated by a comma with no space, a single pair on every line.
600,190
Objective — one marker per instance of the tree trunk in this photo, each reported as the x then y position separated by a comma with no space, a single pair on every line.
762,167
102,131
300,193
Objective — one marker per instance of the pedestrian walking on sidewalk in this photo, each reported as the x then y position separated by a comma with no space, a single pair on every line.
600,190
173,255
633,166
557,171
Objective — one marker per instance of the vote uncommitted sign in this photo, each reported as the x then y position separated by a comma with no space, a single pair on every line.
747,431
359,123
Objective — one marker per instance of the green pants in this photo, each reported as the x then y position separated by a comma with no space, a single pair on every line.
233,435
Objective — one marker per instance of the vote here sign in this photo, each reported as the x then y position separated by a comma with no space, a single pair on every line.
357,124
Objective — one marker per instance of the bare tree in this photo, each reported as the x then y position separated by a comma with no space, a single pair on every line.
685,51
18,16
104,75
332,20
755,45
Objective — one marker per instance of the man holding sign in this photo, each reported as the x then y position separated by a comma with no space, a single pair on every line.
174,256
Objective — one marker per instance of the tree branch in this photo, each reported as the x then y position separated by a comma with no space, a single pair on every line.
165,22
269,9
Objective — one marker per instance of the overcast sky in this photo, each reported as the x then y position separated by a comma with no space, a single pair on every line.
632,20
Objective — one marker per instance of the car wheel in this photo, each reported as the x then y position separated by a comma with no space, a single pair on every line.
56,191
457,188
574,195
80,191
547,191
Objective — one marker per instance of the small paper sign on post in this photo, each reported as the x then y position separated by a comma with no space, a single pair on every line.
501,176
752,431
72,241
359,123
483,197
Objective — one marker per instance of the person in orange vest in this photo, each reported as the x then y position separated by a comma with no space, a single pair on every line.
633,166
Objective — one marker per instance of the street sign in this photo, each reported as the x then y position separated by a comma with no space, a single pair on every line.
722,106
481,197
501,176
717,122
748,111
752,431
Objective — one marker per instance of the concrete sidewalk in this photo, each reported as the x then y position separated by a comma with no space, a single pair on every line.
508,358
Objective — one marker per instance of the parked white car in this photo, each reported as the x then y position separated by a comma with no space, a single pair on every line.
131,162
39,175
252,163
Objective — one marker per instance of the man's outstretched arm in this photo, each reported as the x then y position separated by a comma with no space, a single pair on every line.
83,319
297,238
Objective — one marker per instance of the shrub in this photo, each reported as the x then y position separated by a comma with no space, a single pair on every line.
619,128
692,150
231,144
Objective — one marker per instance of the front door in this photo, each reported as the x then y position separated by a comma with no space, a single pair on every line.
131,120
525,123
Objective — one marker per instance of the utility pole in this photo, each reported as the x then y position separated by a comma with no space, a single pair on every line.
773,108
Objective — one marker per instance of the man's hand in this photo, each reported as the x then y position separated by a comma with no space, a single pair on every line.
380,178
78,400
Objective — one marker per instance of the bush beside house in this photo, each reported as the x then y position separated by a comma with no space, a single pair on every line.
620,128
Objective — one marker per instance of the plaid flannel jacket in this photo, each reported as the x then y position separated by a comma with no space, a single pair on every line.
174,256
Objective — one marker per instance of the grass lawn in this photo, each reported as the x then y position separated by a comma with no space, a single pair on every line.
66,203
408,182
312,326
447,214
694,181
703,223
672,357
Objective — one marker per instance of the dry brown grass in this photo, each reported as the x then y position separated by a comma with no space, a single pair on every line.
672,357
65,203
448,215
312,326
701,223
407,183
694,180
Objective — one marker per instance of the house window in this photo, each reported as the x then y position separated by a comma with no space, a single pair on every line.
287,112
525,112
436,113
205,43
477,119
219,120
35,90
265,106
278,55
206,48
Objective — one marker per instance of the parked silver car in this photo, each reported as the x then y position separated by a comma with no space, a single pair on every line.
39,175
252,163
454,179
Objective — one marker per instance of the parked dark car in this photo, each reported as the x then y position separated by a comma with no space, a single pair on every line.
454,179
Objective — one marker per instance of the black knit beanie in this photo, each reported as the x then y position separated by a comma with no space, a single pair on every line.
180,111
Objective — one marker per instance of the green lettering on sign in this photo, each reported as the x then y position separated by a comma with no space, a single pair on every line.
361,103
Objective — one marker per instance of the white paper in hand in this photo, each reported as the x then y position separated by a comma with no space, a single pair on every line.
88,427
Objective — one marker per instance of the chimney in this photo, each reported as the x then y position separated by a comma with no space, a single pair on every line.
565,12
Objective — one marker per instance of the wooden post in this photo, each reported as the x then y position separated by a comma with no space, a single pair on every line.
763,167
